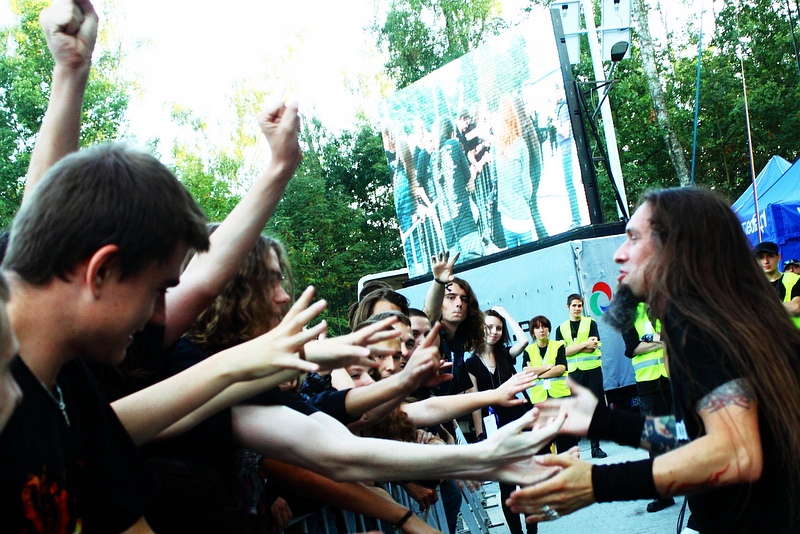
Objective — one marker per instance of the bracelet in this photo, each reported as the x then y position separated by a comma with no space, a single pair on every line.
399,524
614,425
628,481
440,282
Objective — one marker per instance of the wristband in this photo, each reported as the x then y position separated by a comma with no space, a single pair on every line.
628,481
399,524
616,425
440,282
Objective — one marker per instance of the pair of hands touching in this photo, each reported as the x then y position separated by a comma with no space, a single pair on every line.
566,482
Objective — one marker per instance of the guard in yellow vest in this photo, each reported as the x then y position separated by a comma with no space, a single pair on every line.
643,345
785,283
548,360
582,345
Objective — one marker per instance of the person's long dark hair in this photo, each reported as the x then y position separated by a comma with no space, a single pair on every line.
706,274
473,328
505,366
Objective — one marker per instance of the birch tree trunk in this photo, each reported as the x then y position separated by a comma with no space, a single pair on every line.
674,148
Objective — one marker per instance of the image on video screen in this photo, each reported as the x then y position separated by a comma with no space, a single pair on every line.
481,151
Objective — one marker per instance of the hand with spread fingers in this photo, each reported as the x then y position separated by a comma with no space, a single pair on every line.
512,444
357,348
442,266
423,368
430,349
508,390
283,346
580,407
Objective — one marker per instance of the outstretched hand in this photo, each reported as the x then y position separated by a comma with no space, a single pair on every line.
511,442
430,348
70,29
507,392
282,347
442,266
579,407
352,349
422,369
569,490
280,124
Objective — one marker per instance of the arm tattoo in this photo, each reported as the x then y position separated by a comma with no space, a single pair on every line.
658,434
737,392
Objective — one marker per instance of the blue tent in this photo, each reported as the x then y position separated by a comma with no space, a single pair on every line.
778,186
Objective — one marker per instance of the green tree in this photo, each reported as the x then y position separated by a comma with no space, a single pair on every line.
210,173
25,74
337,216
423,35
759,32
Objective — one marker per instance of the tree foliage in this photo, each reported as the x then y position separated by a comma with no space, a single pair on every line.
422,35
25,75
337,216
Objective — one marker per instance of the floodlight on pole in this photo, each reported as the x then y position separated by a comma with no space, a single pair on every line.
618,52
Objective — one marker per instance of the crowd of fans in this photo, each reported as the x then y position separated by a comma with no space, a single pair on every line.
230,413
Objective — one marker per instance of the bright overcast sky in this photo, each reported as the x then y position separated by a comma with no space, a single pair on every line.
191,53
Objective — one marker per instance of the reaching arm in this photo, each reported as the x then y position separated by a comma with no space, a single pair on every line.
374,402
522,339
728,453
277,430
320,353
437,410
730,449
208,273
70,29
148,412
442,269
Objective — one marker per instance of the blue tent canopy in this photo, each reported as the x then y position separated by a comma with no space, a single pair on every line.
778,187
766,179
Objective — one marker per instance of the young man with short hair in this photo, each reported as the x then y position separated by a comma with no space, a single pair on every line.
785,284
582,345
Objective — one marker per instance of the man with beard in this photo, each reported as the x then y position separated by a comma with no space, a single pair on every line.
733,444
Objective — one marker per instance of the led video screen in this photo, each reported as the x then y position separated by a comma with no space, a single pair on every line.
481,151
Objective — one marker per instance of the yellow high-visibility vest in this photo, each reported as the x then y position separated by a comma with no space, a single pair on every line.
583,361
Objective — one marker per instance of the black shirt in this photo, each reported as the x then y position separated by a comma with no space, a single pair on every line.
486,380
780,289
763,506
87,476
